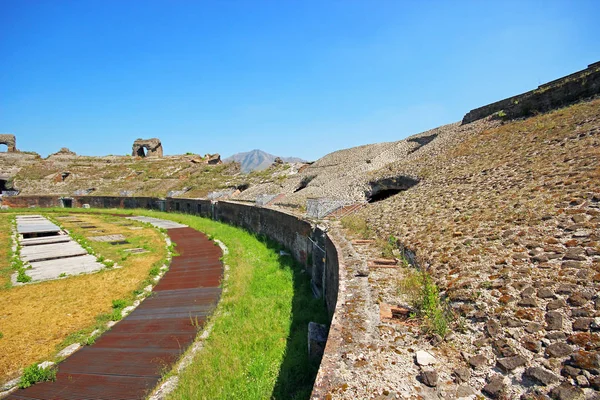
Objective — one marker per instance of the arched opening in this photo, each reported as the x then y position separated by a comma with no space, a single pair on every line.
141,152
3,185
385,188
3,148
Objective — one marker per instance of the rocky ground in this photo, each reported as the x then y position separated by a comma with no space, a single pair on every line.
507,222
349,174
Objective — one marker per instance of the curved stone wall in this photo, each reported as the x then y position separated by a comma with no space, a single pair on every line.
309,244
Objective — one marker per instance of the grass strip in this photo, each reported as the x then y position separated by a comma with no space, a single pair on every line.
258,346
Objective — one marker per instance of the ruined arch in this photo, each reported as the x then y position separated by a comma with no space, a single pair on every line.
10,141
147,148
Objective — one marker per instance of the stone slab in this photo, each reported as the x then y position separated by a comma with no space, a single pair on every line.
37,224
51,251
107,238
52,269
159,223
45,240
137,250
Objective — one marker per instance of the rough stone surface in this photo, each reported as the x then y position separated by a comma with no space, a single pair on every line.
213,159
588,360
462,375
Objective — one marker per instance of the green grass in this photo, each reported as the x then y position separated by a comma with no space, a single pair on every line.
358,226
34,374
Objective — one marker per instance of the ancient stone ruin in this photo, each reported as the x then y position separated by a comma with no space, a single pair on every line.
10,141
213,159
153,148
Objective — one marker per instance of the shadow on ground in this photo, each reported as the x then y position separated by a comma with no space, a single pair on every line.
297,372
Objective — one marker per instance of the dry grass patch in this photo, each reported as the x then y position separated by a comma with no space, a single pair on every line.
36,318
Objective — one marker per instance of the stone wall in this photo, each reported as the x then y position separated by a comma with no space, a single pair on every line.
31,201
558,93
308,244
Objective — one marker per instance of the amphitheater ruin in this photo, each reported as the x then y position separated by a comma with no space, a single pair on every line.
495,218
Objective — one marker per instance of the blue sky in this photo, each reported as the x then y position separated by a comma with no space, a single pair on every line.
293,78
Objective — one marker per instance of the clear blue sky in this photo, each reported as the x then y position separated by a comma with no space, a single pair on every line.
293,78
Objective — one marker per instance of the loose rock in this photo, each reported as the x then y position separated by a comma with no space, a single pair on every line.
554,321
582,324
477,361
508,364
559,349
567,392
461,375
541,375
495,387
429,377
424,358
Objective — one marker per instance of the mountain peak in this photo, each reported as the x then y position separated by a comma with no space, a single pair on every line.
257,160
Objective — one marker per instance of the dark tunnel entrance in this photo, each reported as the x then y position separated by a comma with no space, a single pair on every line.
385,188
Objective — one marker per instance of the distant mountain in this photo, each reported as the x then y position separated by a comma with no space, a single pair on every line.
257,160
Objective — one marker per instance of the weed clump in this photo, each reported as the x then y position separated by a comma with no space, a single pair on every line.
425,299
34,374
357,225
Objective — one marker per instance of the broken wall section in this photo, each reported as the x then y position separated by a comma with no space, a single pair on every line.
558,93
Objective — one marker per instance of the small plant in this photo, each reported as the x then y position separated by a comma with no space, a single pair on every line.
154,271
62,275
1,335
486,285
425,298
34,374
18,265
388,246
22,276
119,304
